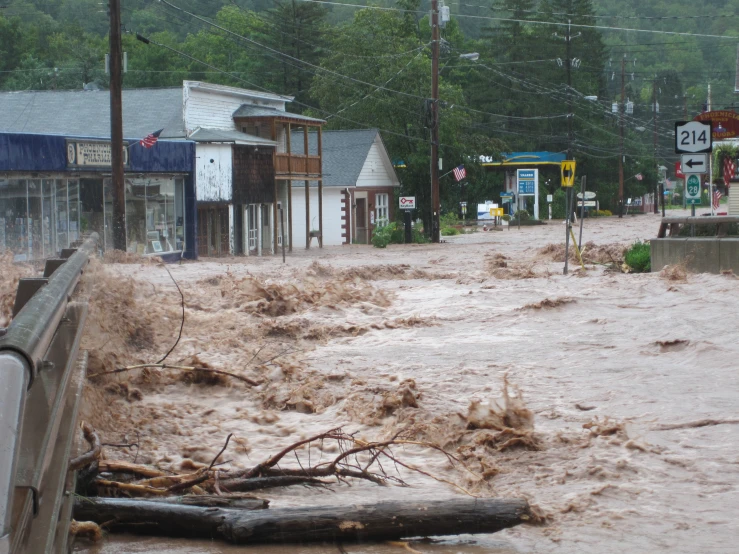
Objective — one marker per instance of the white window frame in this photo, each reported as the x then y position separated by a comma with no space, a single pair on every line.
382,207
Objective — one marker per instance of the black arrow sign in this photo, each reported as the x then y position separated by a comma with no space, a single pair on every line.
690,163
567,173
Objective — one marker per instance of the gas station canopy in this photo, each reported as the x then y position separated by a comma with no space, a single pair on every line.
518,159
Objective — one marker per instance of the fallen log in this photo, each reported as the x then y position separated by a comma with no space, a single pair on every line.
243,502
357,523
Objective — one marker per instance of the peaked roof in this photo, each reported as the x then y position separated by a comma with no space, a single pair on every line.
344,153
87,112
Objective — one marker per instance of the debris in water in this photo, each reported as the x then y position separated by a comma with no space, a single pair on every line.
549,303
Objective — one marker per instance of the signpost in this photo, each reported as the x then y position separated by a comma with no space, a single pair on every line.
407,203
693,194
568,173
588,194
527,184
694,163
693,137
586,204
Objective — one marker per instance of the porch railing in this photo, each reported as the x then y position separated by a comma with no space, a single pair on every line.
297,164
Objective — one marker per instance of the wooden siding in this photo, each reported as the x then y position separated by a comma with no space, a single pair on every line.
214,109
374,173
253,175
301,165
733,206
213,178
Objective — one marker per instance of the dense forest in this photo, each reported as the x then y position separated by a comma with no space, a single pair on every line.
369,66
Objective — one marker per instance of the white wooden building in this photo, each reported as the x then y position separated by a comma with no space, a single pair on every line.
359,184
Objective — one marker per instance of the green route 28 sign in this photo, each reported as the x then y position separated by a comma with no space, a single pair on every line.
693,188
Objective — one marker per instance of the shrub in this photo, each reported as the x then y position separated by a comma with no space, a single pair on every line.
601,213
506,217
638,257
449,231
394,233
449,219
383,235
523,215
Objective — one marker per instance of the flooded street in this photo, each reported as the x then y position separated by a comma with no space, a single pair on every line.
630,378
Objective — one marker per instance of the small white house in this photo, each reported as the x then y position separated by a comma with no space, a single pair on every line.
359,184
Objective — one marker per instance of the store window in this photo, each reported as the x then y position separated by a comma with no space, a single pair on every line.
381,210
154,215
38,217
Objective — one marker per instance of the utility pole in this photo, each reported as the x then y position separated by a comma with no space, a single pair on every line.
569,195
621,140
435,201
710,161
116,129
656,163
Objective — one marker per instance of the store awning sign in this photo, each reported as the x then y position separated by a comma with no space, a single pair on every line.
92,154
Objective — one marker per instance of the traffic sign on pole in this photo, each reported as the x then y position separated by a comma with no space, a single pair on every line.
693,188
694,163
568,173
692,137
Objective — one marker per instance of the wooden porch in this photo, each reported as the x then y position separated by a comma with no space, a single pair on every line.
293,159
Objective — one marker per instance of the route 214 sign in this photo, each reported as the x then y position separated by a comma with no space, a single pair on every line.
692,137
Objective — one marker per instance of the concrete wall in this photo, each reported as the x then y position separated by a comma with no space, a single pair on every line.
700,254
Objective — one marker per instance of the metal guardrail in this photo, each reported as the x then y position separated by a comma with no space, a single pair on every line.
41,380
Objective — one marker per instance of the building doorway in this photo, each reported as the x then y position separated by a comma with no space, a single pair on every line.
360,219
213,231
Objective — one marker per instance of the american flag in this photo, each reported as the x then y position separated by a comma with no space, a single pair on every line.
729,169
716,199
151,139
460,173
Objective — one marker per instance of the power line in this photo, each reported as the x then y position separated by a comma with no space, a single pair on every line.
606,16
535,22
317,67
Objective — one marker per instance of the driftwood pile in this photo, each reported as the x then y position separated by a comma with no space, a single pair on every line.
210,501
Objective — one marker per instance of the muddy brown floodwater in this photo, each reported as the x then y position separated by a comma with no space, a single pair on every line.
623,387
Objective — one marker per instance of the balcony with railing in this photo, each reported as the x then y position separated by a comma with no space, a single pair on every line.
287,165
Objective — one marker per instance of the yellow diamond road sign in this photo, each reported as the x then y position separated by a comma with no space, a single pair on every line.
568,173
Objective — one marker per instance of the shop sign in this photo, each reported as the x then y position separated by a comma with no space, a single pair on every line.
91,154
407,202
725,123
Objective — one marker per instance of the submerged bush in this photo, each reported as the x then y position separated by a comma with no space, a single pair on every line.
394,233
638,257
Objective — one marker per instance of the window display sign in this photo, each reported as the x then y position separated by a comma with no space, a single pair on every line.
92,154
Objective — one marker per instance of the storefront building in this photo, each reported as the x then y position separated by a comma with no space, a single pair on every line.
54,190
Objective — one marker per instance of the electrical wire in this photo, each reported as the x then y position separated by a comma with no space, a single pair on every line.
535,22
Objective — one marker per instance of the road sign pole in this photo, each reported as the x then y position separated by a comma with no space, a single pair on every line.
567,228
583,180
